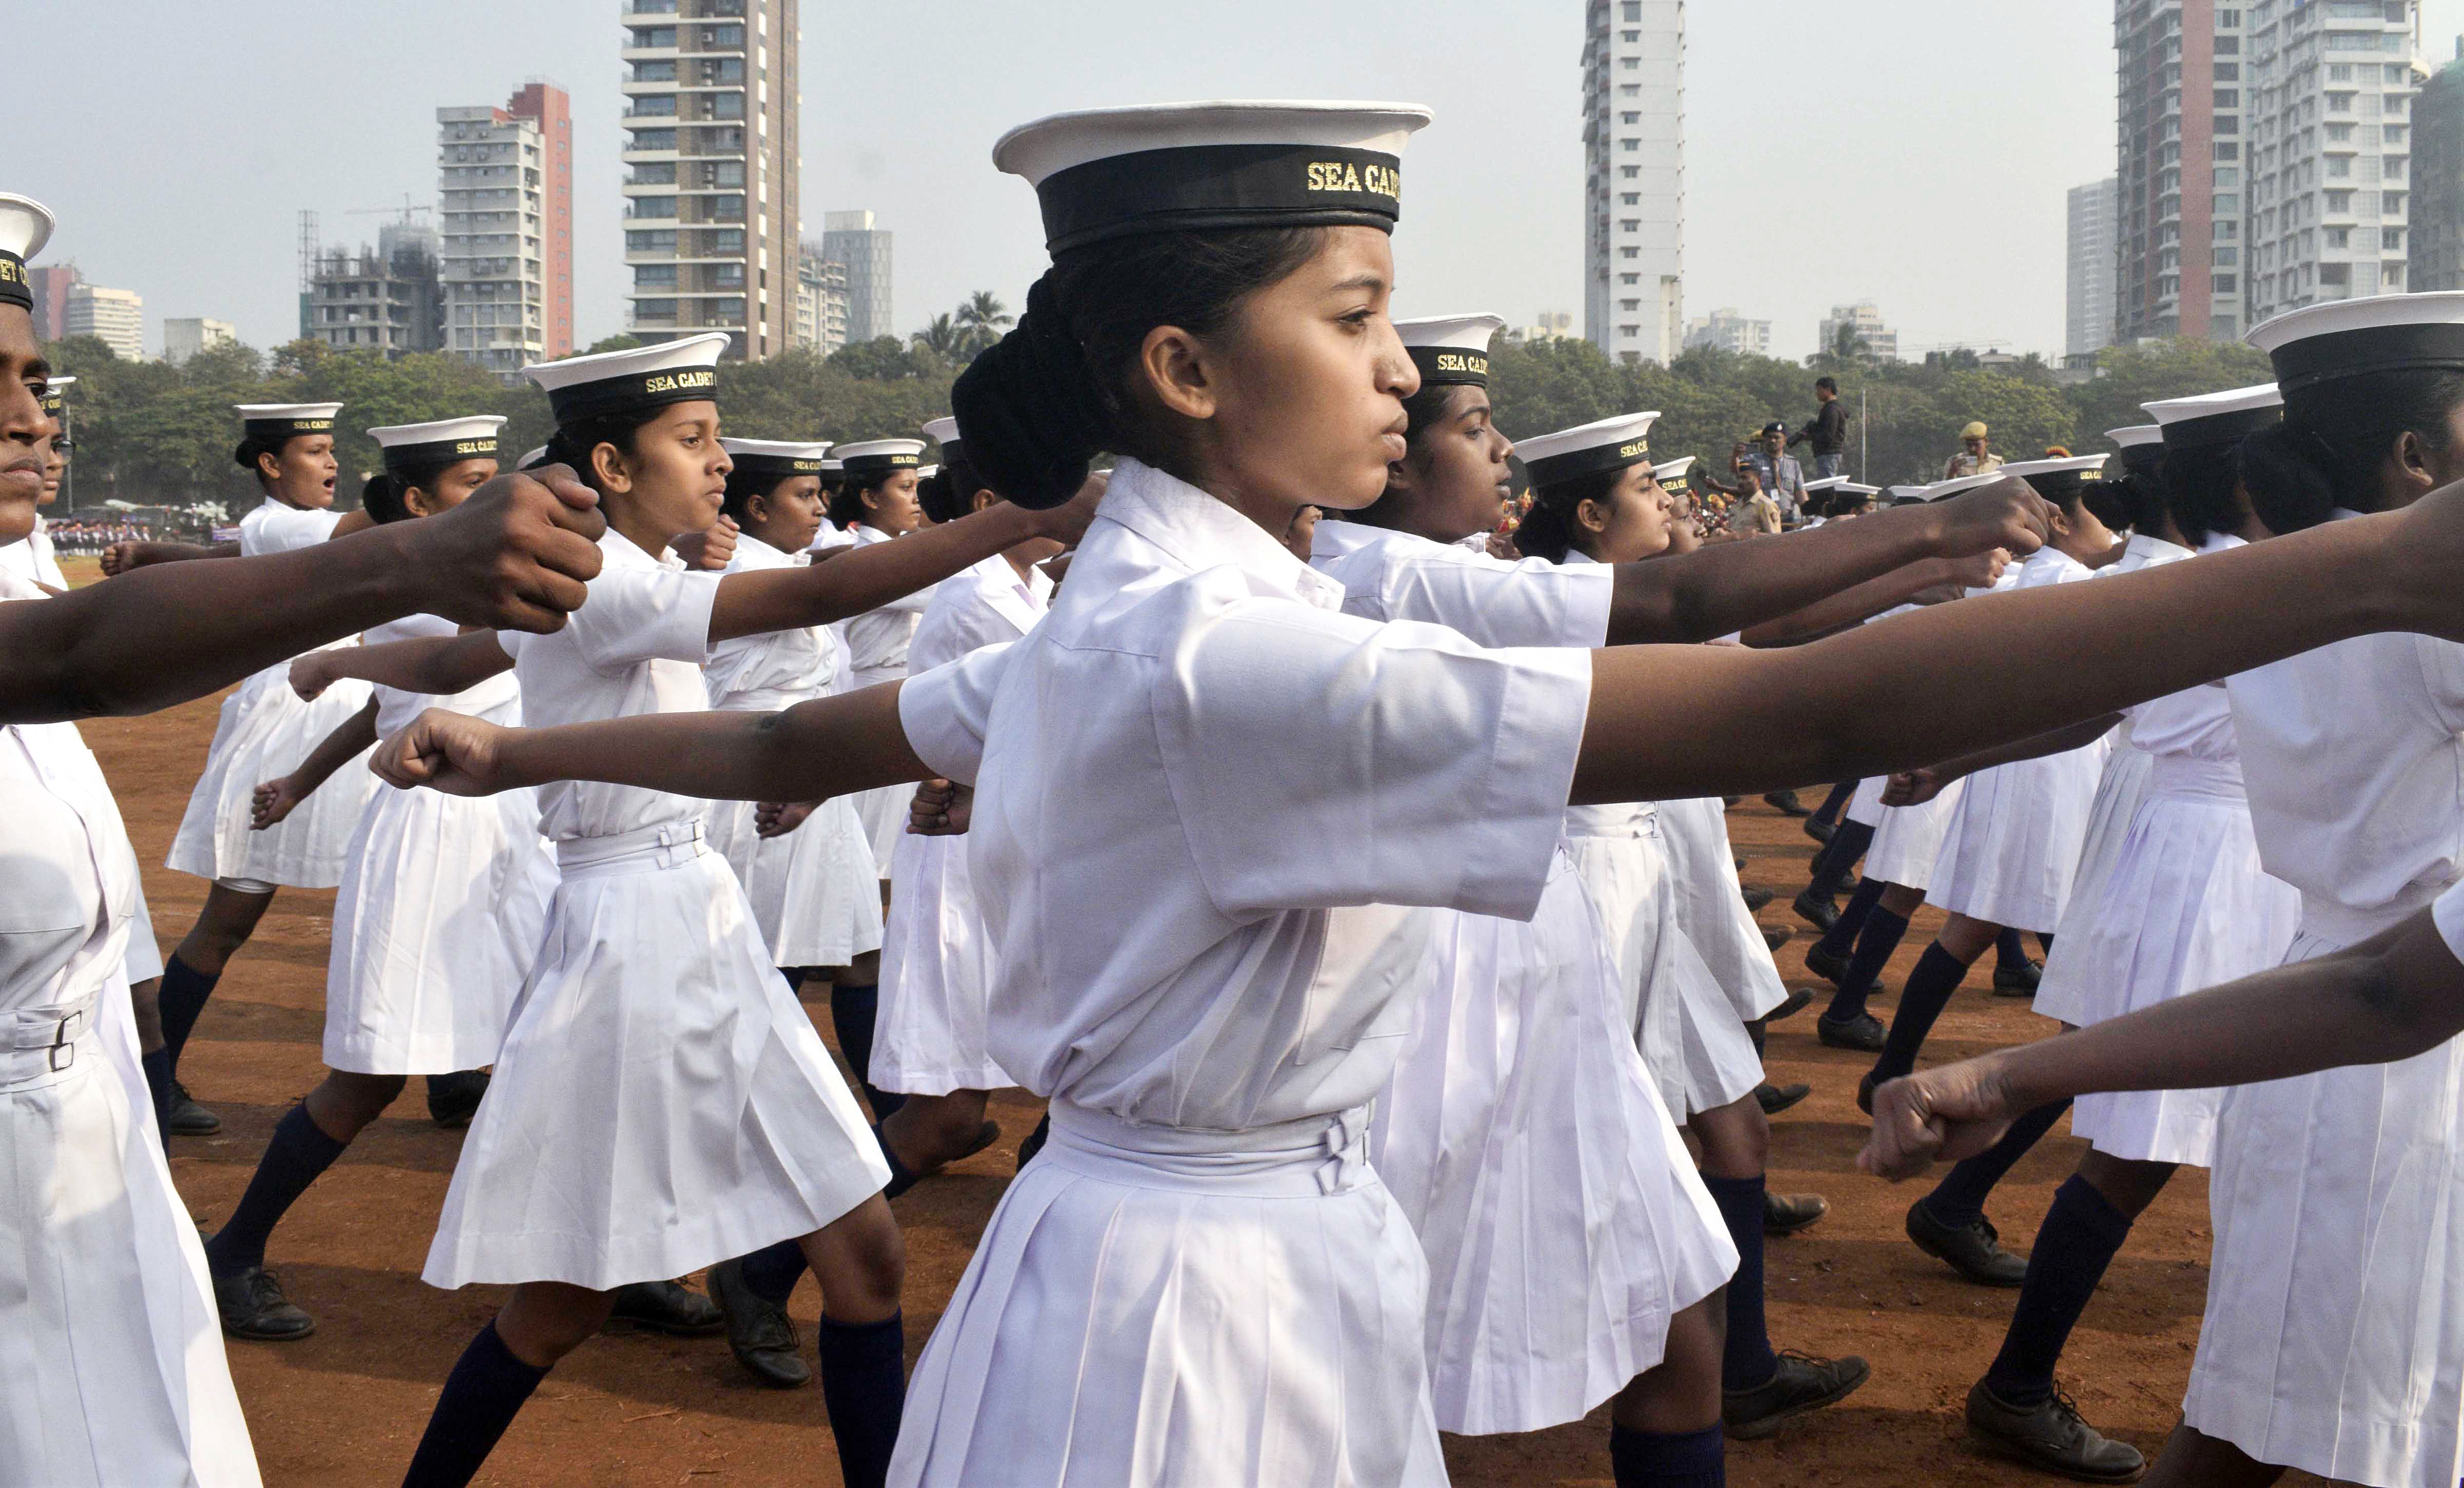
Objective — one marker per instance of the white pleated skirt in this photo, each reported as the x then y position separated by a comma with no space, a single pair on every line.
883,811
1866,806
1152,1307
936,978
816,891
108,1333
1711,907
2119,791
2185,907
2013,844
1908,839
661,1102
266,732
1522,1136
438,920
1690,1037
2334,1335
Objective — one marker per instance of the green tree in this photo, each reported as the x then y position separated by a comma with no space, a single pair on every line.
942,337
884,359
982,319
622,341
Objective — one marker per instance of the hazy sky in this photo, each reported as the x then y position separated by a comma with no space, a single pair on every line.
1914,152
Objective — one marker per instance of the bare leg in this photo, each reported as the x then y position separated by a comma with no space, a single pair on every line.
2194,1459
928,1132
344,1102
2128,1186
861,1262
223,927
1902,900
145,1000
860,1259
1682,1392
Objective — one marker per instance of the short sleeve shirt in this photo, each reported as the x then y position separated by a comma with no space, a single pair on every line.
776,669
276,528
1391,575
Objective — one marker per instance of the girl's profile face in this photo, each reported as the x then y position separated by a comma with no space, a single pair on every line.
450,488
303,472
790,515
892,506
674,479
1631,522
1458,466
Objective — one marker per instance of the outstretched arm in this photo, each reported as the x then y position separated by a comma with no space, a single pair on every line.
277,798
1913,787
122,557
1923,582
440,664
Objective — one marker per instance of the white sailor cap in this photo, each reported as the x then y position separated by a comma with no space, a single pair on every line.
1902,494
2349,338
1852,488
2217,417
1588,448
1450,349
1952,487
638,378
776,459
54,399
408,446
944,432
1112,172
282,420
1826,483
927,471
870,459
25,227
1673,474
531,459
2056,479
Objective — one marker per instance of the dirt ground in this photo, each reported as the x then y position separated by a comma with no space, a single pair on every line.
344,1407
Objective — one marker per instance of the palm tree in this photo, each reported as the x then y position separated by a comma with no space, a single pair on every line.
942,337
982,317
1847,349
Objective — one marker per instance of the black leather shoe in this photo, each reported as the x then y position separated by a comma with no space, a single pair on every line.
189,1119
1756,897
1803,1383
1784,803
1787,1213
452,1098
2052,1436
2019,981
1862,1031
253,1305
760,1332
1974,1250
1775,1099
1821,830
1816,910
1776,939
1797,1000
1824,964
666,1307
1865,1092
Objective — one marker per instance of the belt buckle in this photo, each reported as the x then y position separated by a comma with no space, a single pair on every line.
1347,1148
61,1052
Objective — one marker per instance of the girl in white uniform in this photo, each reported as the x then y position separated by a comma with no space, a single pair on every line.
876,502
1217,799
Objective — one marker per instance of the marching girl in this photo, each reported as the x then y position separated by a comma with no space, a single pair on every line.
1225,806
877,502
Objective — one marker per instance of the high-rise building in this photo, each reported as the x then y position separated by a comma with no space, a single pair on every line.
2178,197
1634,160
390,299
115,316
50,283
183,338
821,301
713,218
2329,90
851,239
2436,251
1882,343
2089,296
1730,331
505,208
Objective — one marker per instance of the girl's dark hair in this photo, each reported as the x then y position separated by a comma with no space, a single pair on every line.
2335,438
255,445
742,486
2202,490
1053,393
2140,494
1548,528
572,443
846,502
385,497
952,490
2105,499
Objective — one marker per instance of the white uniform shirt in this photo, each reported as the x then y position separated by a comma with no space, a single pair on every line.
1388,575
985,606
2144,551
831,536
34,558
778,669
1205,787
877,640
276,528
496,699
2356,767
2047,564
2196,722
635,646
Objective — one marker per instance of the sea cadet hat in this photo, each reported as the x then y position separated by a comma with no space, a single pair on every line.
2141,445
54,398
282,420
944,432
531,459
1588,448
871,458
1901,496
776,459
25,227
1826,483
2055,480
1102,173
406,447
2218,417
927,471
639,378
1676,475
1450,350
1942,488
2347,337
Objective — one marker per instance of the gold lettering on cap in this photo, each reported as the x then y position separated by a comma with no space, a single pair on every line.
806,467
678,382
1335,175
11,272
906,460
1471,362
474,447
302,425
1639,447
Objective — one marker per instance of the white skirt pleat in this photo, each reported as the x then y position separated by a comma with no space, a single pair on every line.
2119,791
1711,906
1866,806
816,891
661,1102
265,732
936,978
1563,1222
436,924
108,1332
1218,1318
2334,1335
883,814
1691,1039
2185,907
1908,839
2013,844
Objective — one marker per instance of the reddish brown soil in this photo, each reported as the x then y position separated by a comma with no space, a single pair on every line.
344,1407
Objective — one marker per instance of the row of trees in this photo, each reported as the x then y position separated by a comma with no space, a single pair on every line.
153,433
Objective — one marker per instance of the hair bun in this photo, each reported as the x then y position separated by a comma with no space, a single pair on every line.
2285,468
1029,405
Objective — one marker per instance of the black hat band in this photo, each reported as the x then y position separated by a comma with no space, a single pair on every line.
864,467
1574,464
2142,458
2379,348
774,467
2191,434
1196,186
1450,367
15,289
631,392
285,427
401,458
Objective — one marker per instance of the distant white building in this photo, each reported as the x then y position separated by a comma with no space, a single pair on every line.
1730,331
850,240
115,316
184,339
2093,254
1633,157
1549,326
1882,343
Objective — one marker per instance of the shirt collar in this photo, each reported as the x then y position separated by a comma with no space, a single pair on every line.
622,552
1199,532
2343,514
2143,545
752,552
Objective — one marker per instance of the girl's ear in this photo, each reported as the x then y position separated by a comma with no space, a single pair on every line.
615,473
418,503
2412,461
1592,516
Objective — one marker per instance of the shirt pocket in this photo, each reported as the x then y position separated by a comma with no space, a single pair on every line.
1371,964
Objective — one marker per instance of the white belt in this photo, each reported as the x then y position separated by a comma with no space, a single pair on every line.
2345,924
39,1043
662,846
1313,1156
2179,774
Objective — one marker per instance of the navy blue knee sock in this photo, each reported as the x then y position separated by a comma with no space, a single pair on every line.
1848,843
2082,1234
864,1390
1668,1459
2010,951
1875,943
772,1271
482,1395
1937,975
299,1152
1836,801
852,1009
1960,1197
1749,1361
1841,940
157,1084
181,998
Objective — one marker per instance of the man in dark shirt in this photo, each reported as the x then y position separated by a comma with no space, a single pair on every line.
1827,430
